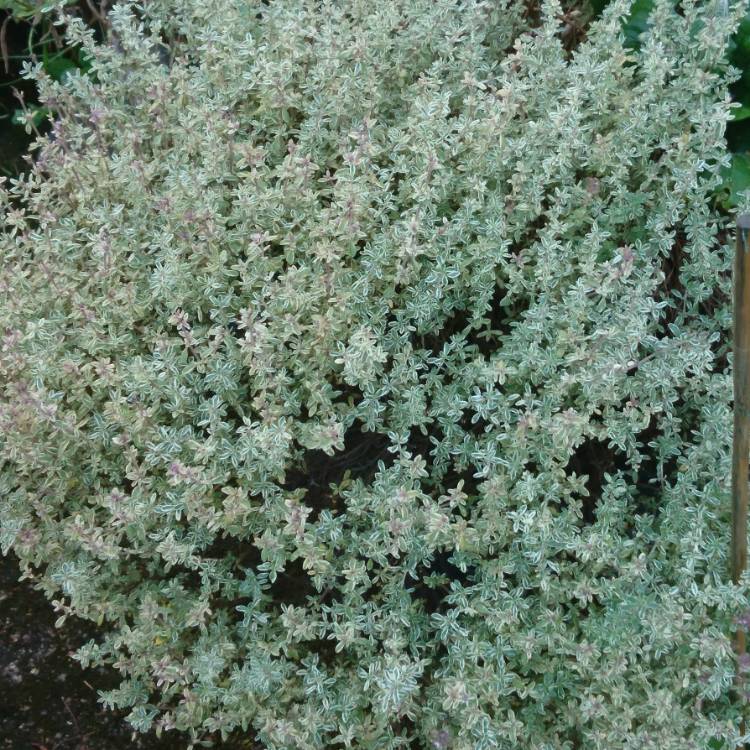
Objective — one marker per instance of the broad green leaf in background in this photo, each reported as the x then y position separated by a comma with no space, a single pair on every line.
742,38
740,113
59,65
737,178
738,129
637,21
23,9
35,118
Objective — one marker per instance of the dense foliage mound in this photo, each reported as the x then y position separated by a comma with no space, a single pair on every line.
364,372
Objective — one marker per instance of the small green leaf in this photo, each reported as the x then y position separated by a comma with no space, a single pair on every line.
740,113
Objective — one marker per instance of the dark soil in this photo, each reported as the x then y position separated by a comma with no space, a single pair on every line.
47,702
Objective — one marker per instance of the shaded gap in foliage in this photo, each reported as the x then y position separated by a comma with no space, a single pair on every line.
360,456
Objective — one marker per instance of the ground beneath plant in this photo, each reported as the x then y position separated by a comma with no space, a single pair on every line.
47,702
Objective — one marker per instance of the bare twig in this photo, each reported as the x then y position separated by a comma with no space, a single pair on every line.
96,13
4,43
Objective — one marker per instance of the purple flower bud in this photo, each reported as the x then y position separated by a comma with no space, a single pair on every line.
441,739
592,185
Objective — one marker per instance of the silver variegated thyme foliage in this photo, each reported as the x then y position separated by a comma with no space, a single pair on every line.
364,373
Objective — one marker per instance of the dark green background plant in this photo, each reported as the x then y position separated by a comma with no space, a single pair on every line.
26,20
28,35
736,177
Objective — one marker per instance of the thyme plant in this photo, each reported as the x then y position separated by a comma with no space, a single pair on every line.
364,372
